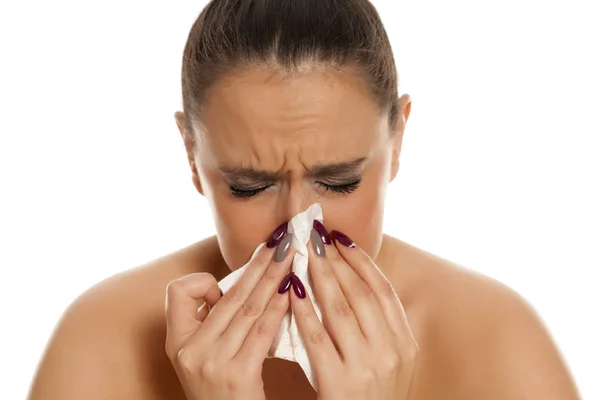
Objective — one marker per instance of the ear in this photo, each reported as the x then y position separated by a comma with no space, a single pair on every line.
190,148
404,105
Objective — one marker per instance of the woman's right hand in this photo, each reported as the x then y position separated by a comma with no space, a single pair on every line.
220,355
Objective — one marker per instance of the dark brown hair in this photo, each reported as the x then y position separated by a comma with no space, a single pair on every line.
284,35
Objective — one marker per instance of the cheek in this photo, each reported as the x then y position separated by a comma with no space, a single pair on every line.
360,215
241,225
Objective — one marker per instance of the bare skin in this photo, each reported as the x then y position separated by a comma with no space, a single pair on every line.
110,343
477,338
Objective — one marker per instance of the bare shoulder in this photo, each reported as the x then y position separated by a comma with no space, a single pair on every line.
109,343
478,337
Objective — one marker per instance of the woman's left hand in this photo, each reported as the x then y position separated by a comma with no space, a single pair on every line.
364,349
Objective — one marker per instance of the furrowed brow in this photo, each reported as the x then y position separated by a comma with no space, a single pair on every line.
249,174
316,171
337,169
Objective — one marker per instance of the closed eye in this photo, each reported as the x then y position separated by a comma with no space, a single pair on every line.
345,188
246,193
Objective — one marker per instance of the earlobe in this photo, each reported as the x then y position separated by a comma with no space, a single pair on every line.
196,178
197,184
180,120
406,106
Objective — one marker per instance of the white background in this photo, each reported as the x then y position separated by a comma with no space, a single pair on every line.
499,170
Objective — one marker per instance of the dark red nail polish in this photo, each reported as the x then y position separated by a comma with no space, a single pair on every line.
277,235
221,290
286,283
343,239
298,287
322,231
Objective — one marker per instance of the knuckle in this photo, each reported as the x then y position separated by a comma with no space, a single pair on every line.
323,270
186,360
241,376
411,353
361,290
272,274
234,294
203,277
278,306
209,370
387,290
180,285
275,307
251,309
175,286
303,312
364,377
171,349
318,337
251,370
342,308
262,329
390,361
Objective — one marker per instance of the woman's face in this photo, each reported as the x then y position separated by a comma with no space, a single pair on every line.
268,147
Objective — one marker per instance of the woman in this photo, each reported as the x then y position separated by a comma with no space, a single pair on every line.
288,103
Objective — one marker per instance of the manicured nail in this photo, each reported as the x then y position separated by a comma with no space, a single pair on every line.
343,239
286,283
322,231
298,287
283,248
317,243
277,235
221,292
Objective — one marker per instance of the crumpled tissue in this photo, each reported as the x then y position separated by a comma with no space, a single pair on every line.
288,343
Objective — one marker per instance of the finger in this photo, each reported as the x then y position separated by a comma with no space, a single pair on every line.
382,288
256,304
205,308
181,306
220,317
320,348
259,340
202,312
361,298
338,315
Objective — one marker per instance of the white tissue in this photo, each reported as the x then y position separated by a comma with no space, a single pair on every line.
288,343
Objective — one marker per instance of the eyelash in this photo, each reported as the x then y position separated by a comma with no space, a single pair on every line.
346,188
245,194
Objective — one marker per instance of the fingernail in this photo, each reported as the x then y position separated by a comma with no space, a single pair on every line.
317,243
221,292
322,231
283,248
343,239
298,287
286,283
277,235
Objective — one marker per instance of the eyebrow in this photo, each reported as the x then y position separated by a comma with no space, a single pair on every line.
316,171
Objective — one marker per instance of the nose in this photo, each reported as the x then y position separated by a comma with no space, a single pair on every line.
296,199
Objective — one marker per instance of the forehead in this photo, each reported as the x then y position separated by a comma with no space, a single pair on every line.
258,111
